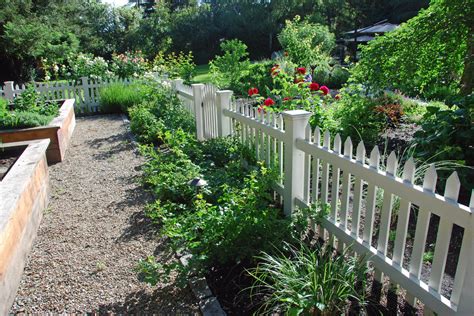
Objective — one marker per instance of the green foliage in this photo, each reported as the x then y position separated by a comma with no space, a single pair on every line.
447,134
86,65
310,281
28,110
119,97
168,175
307,44
227,69
258,75
423,57
175,65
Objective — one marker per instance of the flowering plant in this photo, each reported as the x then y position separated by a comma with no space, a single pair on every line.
291,91
86,65
129,64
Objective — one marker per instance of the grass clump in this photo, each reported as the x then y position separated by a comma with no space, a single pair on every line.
118,97
309,281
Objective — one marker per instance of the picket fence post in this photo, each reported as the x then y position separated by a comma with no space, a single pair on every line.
176,83
198,89
295,126
223,121
85,88
8,89
466,292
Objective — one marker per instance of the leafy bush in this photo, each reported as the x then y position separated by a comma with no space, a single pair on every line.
86,65
257,76
227,69
310,281
168,175
365,117
307,44
447,134
119,97
434,69
176,66
29,109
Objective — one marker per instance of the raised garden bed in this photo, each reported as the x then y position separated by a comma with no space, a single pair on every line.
24,194
59,132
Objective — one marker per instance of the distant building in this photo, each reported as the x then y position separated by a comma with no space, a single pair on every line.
363,35
146,5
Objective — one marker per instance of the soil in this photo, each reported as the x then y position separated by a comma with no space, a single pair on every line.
8,157
94,233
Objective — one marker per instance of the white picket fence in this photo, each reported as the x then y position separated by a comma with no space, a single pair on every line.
86,92
362,196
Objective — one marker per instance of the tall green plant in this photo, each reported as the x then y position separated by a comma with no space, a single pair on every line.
307,44
425,56
228,68
309,281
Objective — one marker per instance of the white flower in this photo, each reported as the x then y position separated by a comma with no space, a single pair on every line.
47,78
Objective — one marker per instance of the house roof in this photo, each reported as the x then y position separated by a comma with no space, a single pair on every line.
379,27
360,39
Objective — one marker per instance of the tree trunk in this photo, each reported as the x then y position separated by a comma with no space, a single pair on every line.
467,79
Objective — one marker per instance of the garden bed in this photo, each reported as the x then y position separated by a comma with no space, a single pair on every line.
58,131
24,192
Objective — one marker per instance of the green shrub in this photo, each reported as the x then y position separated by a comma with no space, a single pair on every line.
258,76
307,44
424,56
176,65
167,174
357,117
29,109
119,97
310,281
338,77
228,68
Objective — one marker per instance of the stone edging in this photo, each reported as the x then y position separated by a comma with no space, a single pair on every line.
208,303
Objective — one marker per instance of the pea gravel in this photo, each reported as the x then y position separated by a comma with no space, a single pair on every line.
93,233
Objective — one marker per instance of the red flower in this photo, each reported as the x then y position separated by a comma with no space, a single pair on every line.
301,70
274,68
337,97
269,102
313,86
324,89
286,99
253,91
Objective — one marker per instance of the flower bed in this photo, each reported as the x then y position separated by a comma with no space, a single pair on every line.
59,131
24,193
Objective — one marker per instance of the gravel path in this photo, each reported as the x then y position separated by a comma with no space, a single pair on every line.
93,233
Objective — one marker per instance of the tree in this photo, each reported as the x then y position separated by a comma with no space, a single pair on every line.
429,56
307,44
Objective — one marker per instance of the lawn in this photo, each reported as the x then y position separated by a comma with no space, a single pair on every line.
203,74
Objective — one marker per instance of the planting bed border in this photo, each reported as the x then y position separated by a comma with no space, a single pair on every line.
24,194
59,131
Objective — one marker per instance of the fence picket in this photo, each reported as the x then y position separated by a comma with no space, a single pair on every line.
386,213
421,230
371,196
403,215
346,183
358,190
453,185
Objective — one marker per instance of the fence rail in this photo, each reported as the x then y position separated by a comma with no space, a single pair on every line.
85,91
371,199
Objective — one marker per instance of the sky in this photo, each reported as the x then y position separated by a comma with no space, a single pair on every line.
116,2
